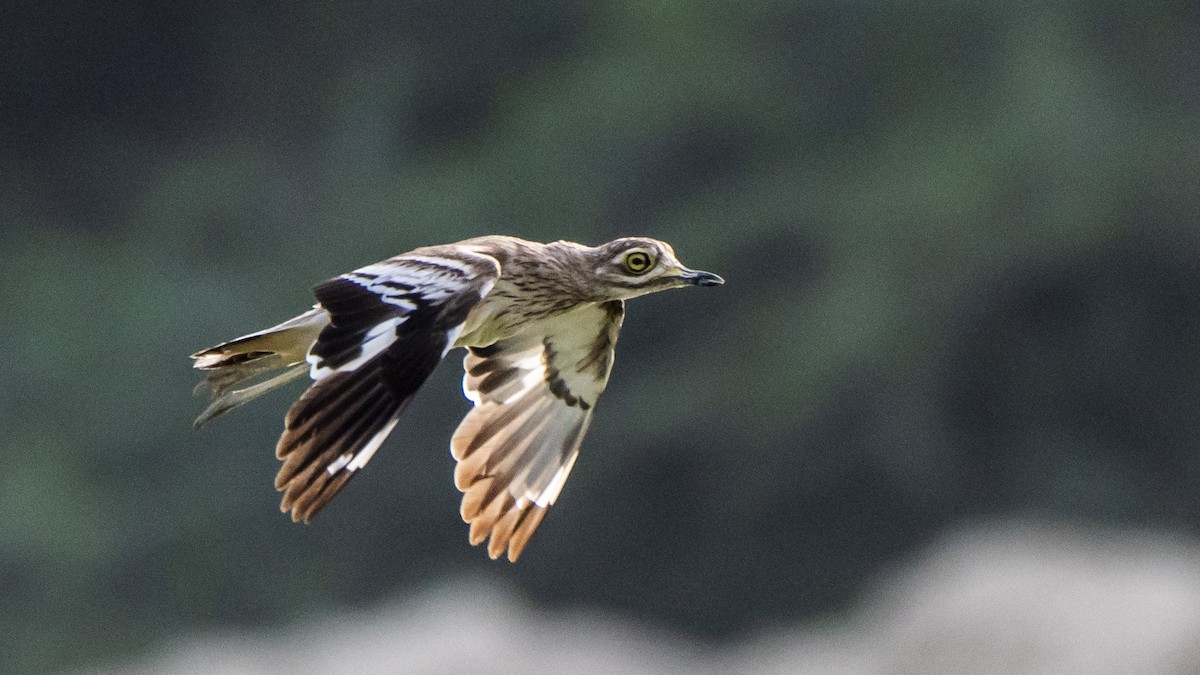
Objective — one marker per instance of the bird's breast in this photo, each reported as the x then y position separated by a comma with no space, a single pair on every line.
509,309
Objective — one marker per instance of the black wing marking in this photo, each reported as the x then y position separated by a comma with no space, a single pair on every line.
390,325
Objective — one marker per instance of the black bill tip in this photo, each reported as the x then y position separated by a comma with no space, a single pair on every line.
698,278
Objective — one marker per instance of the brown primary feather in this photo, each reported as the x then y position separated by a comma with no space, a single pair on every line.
524,529
502,531
508,525
320,429
488,506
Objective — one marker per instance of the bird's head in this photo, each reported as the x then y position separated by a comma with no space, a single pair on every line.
633,266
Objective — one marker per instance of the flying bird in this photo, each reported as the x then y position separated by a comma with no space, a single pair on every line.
539,322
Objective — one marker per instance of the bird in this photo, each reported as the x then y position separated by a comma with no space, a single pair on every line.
539,323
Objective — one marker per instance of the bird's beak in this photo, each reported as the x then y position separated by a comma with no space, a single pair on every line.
698,278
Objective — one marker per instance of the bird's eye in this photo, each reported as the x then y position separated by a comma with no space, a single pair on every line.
638,262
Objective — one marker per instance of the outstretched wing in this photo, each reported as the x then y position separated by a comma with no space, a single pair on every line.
390,324
534,395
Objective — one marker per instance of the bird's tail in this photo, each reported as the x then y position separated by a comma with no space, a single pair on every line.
232,367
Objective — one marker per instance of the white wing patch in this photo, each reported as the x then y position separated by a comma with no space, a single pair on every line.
431,278
339,463
407,283
377,339
435,262
556,484
363,456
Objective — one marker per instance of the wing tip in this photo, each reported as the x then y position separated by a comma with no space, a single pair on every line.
510,532
306,495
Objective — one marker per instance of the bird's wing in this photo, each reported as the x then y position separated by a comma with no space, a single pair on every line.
534,395
390,324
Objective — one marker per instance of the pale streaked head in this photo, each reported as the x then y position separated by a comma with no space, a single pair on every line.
633,266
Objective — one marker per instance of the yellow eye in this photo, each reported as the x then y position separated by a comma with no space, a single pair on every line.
638,262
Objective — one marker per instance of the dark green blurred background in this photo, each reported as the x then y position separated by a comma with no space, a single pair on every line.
960,241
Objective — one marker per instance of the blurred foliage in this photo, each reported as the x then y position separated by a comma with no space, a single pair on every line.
960,240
